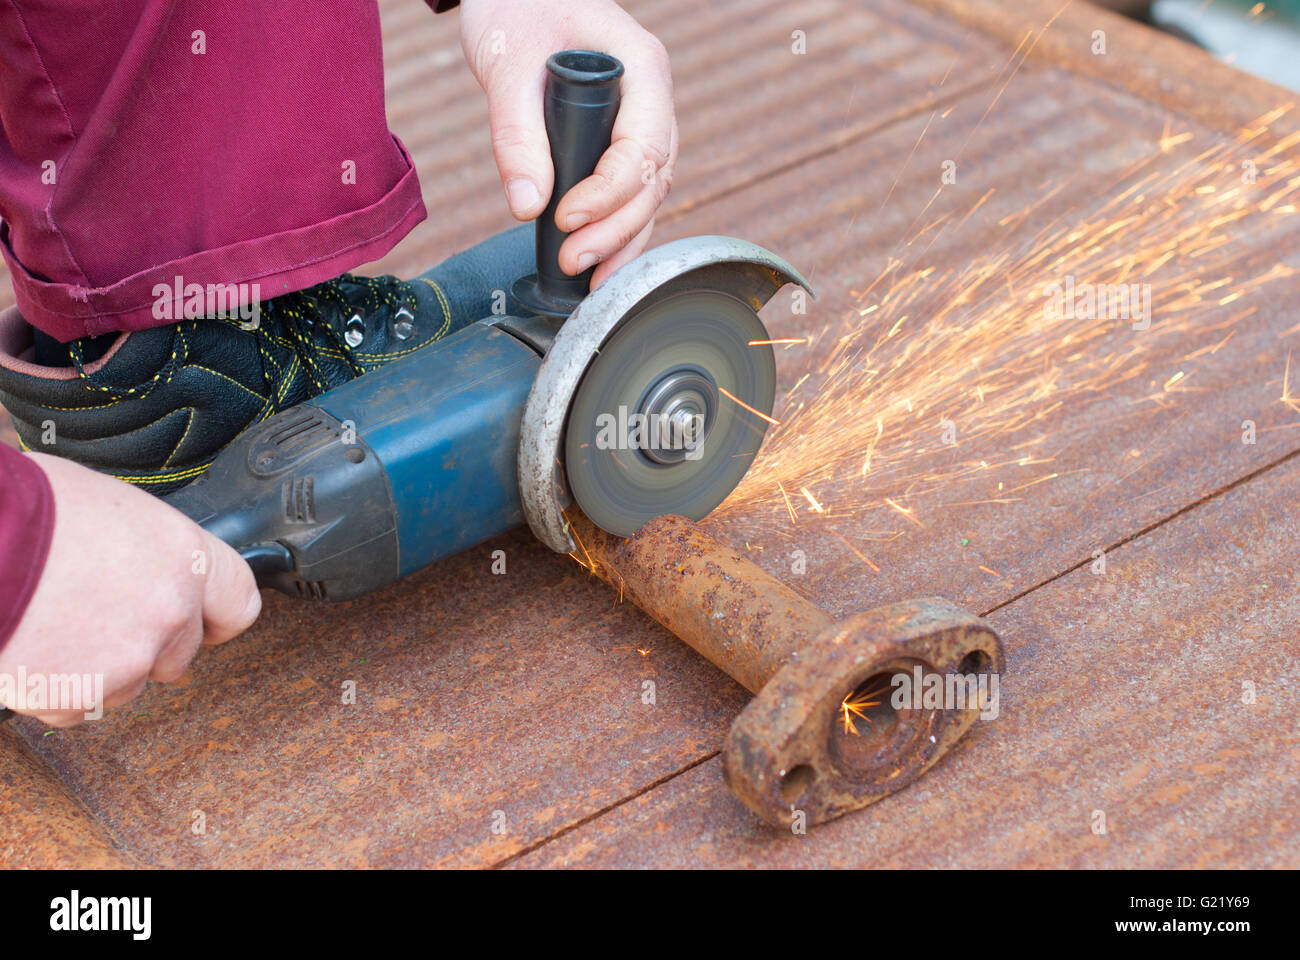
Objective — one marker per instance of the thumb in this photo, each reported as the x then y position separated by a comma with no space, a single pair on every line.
519,143
231,600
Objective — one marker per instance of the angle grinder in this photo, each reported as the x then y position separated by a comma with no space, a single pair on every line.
649,395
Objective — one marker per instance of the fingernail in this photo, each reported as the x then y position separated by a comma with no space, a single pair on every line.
586,260
522,194
575,220
253,608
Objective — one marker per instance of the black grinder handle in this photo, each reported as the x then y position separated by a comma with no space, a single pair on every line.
580,105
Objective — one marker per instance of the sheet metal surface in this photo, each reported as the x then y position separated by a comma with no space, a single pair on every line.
522,693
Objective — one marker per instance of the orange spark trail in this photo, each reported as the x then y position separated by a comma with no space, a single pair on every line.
758,413
931,376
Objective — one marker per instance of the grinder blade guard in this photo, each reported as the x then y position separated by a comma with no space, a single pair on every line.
656,392
675,329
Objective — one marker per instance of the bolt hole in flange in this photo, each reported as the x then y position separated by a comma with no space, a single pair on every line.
796,782
977,662
869,735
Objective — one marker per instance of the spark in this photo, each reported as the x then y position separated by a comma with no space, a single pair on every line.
1289,400
1168,141
589,563
904,511
857,703
974,344
1014,70
817,507
866,461
786,498
924,129
857,553
757,413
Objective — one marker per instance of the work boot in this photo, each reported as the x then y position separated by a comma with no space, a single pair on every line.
154,407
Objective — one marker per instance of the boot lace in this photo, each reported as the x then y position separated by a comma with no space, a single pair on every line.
299,316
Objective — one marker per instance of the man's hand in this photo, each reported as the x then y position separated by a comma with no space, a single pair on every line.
130,590
611,213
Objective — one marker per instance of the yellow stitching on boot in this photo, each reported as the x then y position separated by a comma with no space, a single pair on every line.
166,477
113,403
97,406
394,356
175,365
218,373
123,392
287,378
128,433
446,307
335,354
181,441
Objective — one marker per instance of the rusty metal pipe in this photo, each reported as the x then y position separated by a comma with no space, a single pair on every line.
786,753
737,616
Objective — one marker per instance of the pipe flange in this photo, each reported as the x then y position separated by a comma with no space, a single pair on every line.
797,748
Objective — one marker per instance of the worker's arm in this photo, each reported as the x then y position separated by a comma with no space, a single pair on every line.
102,579
611,213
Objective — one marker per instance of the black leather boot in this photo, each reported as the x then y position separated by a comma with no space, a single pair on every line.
154,407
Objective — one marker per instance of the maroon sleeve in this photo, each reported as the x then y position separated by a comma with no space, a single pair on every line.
26,526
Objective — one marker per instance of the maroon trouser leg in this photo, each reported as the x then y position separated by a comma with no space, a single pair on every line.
217,142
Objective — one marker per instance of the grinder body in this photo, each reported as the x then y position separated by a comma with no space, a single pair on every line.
381,476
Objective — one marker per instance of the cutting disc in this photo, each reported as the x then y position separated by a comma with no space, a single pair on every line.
670,413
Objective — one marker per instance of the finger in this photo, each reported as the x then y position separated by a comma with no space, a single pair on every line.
178,651
600,241
629,252
619,176
519,141
62,718
645,113
231,601
659,183
125,693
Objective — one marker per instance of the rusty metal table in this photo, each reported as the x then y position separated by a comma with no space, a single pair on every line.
934,168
